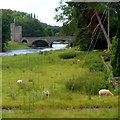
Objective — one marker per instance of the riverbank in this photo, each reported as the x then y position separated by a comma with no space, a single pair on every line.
58,71
16,46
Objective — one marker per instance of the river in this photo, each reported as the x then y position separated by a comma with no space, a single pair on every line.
55,46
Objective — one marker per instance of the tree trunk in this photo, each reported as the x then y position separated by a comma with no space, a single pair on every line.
103,30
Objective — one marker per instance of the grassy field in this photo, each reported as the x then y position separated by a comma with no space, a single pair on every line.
73,83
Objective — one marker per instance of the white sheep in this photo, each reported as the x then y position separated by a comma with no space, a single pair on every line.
78,60
19,82
46,92
105,92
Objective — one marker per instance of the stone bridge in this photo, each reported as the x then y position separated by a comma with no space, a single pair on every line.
16,35
48,40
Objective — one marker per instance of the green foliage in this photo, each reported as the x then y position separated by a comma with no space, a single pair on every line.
83,39
94,62
115,49
96,66
68,55
6,20
115,56
76,17
55,30
12,93
49,31
31,27
14,45
87,83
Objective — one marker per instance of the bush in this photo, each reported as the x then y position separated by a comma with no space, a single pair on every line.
96,66
94,62
88,83
115,56
68,55
83,38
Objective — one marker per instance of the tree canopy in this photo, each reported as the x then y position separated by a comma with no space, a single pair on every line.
79,20
115,49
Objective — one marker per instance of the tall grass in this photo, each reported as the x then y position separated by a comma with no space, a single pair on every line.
88,83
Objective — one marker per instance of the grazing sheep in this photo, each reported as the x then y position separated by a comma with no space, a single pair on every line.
78,60
46,92
19,82
105,92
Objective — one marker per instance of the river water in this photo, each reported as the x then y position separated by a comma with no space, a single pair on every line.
25,51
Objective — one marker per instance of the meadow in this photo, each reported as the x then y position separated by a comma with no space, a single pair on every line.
73,78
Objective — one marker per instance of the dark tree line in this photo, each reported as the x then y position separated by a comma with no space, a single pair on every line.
79,20
6,20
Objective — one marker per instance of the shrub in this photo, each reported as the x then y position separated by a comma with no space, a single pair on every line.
12,93
115,56
96,66
88,83
68,55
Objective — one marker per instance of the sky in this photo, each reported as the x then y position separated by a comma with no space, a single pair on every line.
44,9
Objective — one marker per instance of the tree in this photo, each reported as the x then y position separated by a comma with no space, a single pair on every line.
49,31
115,57
6,20
56,30
115,49
79,14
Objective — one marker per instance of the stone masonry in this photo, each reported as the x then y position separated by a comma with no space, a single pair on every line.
16,32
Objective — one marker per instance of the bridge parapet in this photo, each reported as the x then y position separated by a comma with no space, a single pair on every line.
49,40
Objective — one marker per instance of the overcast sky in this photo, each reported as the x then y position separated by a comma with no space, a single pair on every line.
44,9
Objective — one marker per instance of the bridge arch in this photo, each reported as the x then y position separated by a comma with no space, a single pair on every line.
70,43
40,43
24,41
